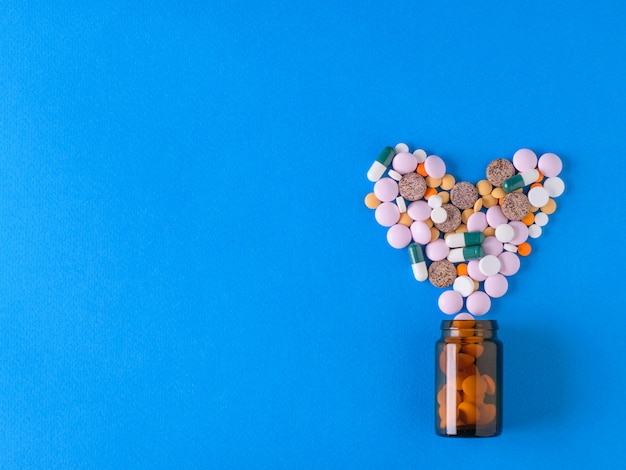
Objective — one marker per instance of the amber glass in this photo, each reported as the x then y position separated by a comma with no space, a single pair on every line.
468,383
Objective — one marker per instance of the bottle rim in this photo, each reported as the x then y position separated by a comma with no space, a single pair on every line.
469,324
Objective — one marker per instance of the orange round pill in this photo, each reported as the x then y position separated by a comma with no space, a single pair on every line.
371,201
473,349
474,386
468,412
524,249
421,169
464,360
490,383
487,413
405,219
461,269
429,192
529,219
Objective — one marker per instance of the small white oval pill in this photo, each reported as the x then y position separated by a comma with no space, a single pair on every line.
395,175
435,201
401,147
554,185
463,285
534,231
489,265
510,247
504,233
439,215
541,219
420,155
401,203
538,196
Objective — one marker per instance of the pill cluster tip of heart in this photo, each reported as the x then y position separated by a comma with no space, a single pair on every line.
461,235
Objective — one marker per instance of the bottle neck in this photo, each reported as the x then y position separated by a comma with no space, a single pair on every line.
485,329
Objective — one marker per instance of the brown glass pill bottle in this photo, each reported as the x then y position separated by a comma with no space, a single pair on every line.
468,379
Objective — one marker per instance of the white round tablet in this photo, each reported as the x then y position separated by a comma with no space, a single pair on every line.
538,196
402,147
505,233
420,155
554,185
463,285
489,265
534,231
435,201
439,215
541,219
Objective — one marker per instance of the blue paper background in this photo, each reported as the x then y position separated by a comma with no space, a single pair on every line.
190,278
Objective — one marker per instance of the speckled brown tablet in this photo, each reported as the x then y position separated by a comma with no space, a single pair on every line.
453,220
442,273
499,170
463,195
412,186
515,206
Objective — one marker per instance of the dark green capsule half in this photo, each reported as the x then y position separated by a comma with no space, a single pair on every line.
416,253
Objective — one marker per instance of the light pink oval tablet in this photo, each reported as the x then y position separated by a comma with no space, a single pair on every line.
437,250
404,163
419,210
474,271
386,189
399,236
550,164
450,302
387,214
435,166
464,316
509,263
492,246
477,222
496,286
478,303
421,232
524,159
495,216
520,231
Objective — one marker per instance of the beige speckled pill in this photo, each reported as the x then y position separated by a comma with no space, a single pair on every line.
463,195
499,170
550,207
484,187
453,219
489,201
447,182
412,186
442,273
371,201
445,197
515,206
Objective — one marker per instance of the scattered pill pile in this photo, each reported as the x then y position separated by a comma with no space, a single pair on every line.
467,394
459,235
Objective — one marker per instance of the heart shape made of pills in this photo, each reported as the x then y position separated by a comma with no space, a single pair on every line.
463,236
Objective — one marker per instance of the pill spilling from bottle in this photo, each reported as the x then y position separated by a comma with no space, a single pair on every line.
461,236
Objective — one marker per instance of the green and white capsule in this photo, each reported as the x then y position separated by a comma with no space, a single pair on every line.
420,271
458,255
458,240
381,164
520,180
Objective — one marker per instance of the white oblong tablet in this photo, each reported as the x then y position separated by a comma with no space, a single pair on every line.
534,231
439,215
538,196
541,219
463,285
554,185
489,265
394,175
510,247
505,233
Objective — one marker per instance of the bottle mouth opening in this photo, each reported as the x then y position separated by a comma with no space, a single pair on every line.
469,324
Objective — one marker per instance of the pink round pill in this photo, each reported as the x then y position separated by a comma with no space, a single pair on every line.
495,216
419,210
474,272
524,159
399,236
421,232
450,302
478,303
437,250
387,214
435,166
477,222
520,232
386,189
496,286
404,163
509,263
550,164
492,246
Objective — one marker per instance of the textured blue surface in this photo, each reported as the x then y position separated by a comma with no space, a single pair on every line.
190,278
